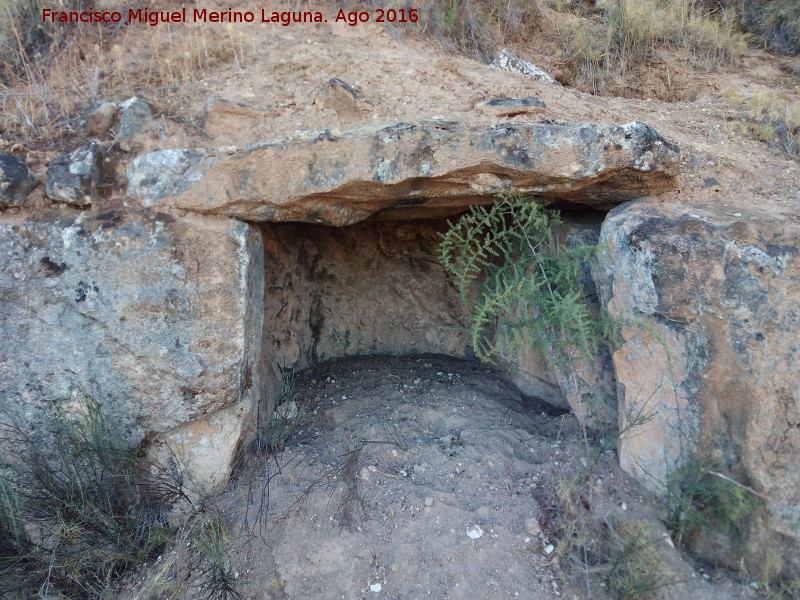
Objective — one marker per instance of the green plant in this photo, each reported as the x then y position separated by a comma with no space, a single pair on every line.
75,514
216,579
698,498
635,567
520,286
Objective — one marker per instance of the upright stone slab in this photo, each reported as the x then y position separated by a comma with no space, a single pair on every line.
158,320
714,360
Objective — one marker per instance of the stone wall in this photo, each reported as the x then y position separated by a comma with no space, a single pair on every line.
157,319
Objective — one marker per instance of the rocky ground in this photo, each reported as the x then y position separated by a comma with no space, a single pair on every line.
430,477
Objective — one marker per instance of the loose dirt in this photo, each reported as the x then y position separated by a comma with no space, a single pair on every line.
430,477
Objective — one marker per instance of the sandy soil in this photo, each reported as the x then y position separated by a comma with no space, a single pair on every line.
430,477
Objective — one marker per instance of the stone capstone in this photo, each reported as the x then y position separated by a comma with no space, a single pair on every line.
400,171
73,177
158,320
710,357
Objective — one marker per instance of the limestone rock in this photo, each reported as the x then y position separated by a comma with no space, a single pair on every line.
223,116
714,359
342,98
16,181
100,119
405,170
135,122
371,288
512,107
158,320
73,177
508,61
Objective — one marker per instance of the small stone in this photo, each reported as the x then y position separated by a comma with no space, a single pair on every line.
287,411
343,98
16,181
375,587
429,501
624,506
532,527
508,61
475,532
73,177
100,119
135,120
549,549
511,107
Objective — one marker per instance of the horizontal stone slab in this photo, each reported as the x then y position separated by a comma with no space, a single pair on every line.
341,178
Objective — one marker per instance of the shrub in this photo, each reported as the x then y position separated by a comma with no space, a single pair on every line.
775,22
697,499
521,287
630,32
73,515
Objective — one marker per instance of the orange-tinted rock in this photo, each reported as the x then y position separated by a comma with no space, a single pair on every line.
715,358
437,167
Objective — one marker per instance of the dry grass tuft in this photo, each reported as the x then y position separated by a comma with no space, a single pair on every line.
771,117
629,34
478,28
50,74
622,556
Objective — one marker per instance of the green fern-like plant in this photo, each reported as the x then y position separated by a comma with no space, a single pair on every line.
516,280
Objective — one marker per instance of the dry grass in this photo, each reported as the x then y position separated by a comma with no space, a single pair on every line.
478,28
629,34
75,514
50,75
771,117
602,551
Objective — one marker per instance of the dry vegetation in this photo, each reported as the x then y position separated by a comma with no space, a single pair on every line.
629,34
769,116
50,75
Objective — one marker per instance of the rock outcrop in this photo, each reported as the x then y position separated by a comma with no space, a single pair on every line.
714,358
164,316
405,171
158,320
16,181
